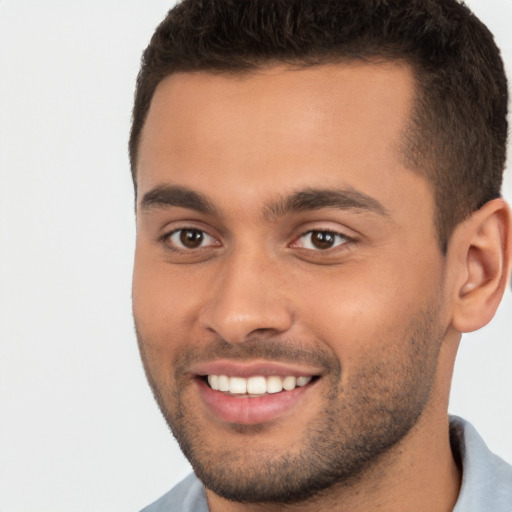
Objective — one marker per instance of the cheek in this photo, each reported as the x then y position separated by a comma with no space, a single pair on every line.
160,301
367,307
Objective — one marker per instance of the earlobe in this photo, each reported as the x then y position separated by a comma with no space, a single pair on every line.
483,247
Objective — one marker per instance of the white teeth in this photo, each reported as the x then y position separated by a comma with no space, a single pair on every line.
257,385
302,381
274,384
289,383
223,383
213,380
237,385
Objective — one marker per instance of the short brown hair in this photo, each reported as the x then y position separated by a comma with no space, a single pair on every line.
458,130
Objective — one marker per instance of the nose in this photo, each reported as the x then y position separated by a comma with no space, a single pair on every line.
248,297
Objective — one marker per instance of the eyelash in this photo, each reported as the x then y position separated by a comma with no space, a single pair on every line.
325,234
167,239
328,235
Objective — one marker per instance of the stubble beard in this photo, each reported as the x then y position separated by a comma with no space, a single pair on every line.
361,421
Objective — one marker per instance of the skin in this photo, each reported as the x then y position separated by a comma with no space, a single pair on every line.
377,316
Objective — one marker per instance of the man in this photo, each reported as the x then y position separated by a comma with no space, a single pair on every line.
318,220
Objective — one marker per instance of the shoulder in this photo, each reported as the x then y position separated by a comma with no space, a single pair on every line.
187,496
486,478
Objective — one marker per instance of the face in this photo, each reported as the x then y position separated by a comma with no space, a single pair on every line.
287,286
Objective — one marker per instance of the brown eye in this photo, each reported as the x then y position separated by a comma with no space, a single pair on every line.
321,240
191,238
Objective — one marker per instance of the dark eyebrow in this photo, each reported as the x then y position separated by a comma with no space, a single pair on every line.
172,195
300,201
316,199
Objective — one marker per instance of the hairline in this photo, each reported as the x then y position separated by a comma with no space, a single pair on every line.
294,65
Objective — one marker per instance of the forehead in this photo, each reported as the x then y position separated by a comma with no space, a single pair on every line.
279,129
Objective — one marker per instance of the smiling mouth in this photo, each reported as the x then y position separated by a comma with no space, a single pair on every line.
253,393
256,386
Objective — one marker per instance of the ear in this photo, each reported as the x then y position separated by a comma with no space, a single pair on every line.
481,249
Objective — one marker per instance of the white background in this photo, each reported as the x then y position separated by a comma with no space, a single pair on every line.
78,427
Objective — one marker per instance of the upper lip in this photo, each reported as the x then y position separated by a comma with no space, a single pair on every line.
252,368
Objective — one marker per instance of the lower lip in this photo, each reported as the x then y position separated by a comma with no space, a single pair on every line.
250,411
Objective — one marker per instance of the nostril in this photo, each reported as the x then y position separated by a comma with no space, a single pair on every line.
238,310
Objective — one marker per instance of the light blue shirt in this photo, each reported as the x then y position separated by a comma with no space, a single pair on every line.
486,479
